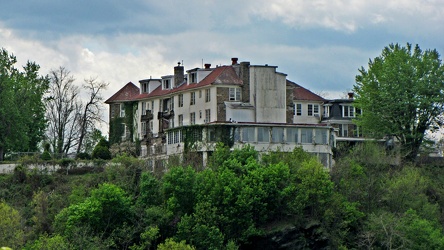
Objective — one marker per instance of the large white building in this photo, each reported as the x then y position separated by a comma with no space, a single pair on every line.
236,104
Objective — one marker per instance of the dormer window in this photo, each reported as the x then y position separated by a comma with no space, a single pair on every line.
348,111
193,77
144,87
166,83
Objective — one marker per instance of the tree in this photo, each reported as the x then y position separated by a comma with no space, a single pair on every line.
401,94
63,111
91,112
21,105
11,233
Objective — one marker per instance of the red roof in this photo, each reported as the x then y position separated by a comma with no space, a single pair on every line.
301,93
219,75
127,93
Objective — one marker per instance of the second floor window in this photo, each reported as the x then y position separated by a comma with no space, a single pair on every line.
181,100
207,95
234,94
298,109
313,110
193,98
122,110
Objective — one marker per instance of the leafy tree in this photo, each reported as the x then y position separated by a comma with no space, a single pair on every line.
107,208
401,94
101,150
21,105
170,244
11,233
178,189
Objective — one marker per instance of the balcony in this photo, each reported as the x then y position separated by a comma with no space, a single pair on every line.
147,116
166,114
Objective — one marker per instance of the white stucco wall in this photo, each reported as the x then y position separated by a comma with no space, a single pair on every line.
268,89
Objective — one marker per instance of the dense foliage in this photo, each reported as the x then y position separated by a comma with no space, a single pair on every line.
401,95
22,108
239,201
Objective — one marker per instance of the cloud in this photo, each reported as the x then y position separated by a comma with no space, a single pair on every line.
351,15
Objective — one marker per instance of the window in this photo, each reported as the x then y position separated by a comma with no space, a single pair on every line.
292,135
180,118
306,135
207,95
125,132
200,114
144,87
277,135
143,128
193,77
144,108
326,111
152,106
321,136
348,111
207,115
234,94
200,93
181,100
263,134
343,130
248,134
122,110
357,131
298,110
166,83
313,110
192,118
172,103
193,98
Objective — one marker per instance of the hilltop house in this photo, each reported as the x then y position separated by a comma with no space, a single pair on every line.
235,104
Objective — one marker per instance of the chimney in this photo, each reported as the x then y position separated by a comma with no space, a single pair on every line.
178,75
234,60
207,65
350,95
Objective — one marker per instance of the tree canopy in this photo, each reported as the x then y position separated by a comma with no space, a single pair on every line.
22,108
401,94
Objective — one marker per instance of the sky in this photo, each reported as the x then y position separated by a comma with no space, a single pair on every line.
319,44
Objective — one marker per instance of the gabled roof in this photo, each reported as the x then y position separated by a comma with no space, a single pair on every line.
303,94
126,93
220,75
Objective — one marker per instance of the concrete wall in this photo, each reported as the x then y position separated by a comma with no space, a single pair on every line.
268,94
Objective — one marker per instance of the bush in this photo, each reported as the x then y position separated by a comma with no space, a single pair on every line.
83,156
46,156
101,152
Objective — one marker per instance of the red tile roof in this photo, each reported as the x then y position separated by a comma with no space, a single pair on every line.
301,93
219,75
127,93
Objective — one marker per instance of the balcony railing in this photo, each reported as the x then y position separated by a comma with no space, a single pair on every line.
147,116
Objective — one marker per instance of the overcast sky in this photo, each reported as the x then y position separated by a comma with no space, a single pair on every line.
320,44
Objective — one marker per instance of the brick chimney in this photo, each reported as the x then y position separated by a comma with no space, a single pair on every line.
234,60
178,75
207,65
350,95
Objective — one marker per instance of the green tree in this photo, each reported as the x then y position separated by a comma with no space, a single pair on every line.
401,94
11,232
101,150
21,105
107,208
